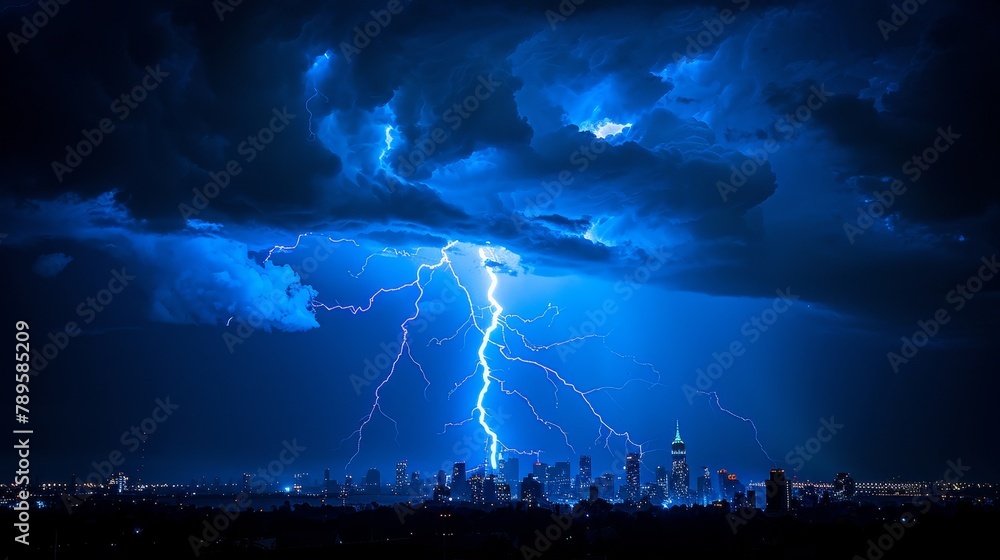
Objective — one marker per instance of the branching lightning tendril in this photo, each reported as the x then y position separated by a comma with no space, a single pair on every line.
487,320
756,436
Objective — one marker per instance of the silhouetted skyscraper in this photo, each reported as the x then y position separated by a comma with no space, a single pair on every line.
844,486
662,476
476,487
503,493
511,472
459,486
299,482
705,493
373,481
561,481
680,476
586,474
540,471
606,486
401,476
531,490
779,493
632,468
490,496
118,483
584,478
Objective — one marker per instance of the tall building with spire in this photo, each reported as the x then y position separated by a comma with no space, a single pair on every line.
680,475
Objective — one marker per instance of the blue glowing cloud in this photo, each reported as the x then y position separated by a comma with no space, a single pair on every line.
47,266
207,280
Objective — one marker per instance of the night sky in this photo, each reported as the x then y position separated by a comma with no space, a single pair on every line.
784,189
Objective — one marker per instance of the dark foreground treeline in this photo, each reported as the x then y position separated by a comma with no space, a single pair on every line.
598,530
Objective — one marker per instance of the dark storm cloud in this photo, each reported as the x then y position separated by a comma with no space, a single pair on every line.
221,80
744,86
517,96
942,93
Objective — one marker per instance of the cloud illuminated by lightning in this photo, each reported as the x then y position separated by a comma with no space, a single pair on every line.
319,63
503,336
488,321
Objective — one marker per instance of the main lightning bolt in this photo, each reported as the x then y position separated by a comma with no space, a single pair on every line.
498,320
487,321
497,310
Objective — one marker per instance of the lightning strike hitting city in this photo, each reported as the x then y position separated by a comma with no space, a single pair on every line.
551,279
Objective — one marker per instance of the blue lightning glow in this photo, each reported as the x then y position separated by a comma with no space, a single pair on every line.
388,147
756,436
497,310
487,321
317,66
604,127
490,259
312,133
